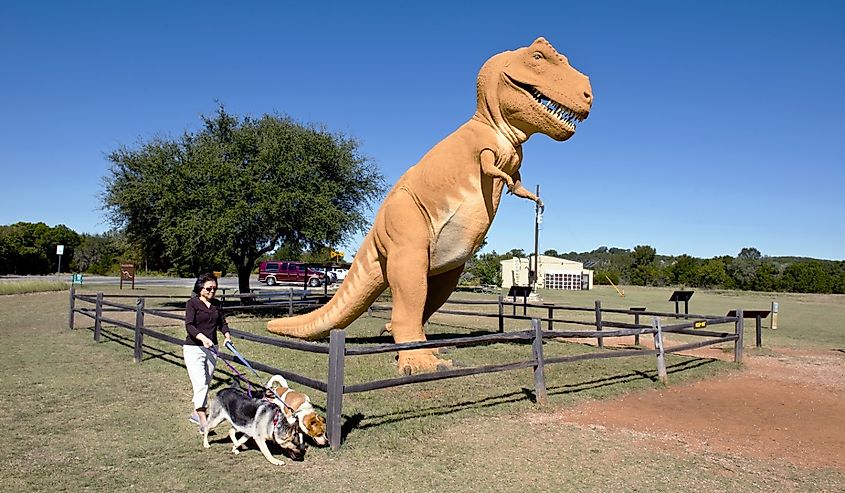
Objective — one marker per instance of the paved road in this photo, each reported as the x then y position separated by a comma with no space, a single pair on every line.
229,283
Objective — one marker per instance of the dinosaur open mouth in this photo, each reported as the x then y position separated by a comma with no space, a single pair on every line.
566,115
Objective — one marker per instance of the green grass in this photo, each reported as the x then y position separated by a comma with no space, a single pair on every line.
84,417
22,287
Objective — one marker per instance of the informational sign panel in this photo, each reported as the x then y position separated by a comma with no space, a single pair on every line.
127,273
60,249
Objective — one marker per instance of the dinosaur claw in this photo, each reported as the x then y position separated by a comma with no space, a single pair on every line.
417,361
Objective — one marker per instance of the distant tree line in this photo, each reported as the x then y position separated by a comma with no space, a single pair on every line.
642,266
30,248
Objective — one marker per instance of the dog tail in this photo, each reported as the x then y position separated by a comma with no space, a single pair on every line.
363,284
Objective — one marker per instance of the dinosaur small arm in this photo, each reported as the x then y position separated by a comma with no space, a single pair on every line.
440,210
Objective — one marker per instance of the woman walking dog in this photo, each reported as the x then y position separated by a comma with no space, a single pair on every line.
203,318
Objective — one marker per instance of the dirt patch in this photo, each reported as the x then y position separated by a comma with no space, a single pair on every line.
786,406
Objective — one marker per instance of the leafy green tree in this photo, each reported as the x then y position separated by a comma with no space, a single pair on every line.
487,268
601,276
806,277
30,248
765,278
743,270
99,253
684,271
711,273
237,189
749,253
643,270
516,252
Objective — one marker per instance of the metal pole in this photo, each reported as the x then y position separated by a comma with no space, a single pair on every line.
533,280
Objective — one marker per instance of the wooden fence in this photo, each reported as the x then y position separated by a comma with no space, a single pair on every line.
337,349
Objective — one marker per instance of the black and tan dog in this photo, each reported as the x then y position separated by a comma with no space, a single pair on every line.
298,408
256,418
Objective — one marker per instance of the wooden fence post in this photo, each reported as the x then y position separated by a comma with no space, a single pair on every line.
551,317
658,345
598,323
501,314
759,329
98,314
636,322
139,323
740,329
334,398
290,301
72,307
539,375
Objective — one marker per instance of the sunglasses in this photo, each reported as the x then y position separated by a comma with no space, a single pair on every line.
210,289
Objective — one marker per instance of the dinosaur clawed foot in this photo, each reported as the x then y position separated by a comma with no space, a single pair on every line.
417,361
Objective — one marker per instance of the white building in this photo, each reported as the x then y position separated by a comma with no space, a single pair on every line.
555,273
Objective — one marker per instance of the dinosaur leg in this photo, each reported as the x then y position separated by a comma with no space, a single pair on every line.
408,283
440,287
407,263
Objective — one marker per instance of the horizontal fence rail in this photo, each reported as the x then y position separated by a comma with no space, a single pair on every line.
337,349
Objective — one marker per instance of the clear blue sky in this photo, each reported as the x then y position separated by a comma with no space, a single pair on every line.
716,125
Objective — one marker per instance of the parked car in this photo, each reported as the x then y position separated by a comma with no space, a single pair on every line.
273,272
339,272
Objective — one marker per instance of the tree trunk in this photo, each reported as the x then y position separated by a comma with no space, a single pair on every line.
244,272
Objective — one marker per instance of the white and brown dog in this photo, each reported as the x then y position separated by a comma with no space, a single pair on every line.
297,408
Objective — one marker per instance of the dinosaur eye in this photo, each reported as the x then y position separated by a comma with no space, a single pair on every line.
537,55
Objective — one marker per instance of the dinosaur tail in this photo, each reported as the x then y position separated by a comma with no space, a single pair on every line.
362,285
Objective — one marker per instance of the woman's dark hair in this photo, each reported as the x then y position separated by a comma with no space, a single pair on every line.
202,279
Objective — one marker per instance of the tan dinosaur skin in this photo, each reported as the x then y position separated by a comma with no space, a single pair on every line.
439,211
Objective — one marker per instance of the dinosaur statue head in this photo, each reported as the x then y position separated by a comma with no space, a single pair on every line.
533,89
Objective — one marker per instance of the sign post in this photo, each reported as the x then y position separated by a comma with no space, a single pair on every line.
774,324
127,273
60,249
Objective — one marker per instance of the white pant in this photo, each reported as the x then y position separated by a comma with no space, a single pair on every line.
200,363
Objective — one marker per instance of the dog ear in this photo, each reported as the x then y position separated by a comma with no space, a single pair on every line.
315,424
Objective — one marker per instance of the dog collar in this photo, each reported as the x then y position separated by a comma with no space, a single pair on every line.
276,417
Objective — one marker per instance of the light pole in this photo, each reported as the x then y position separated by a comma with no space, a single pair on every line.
538,219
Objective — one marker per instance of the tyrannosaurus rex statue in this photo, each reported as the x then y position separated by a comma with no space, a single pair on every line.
439,211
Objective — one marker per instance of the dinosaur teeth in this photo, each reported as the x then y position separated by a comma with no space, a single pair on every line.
564,114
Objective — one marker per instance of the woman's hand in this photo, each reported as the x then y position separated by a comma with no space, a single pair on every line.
227,338
206,342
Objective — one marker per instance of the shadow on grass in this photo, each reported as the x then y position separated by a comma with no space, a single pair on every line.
357,422
360,422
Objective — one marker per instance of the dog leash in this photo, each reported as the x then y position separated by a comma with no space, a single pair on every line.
231,347
237,373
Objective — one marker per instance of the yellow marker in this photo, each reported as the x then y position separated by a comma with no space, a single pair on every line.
621,293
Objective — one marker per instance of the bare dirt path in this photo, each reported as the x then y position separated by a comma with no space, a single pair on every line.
789,405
